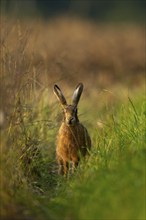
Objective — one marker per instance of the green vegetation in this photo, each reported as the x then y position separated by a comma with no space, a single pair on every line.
110,183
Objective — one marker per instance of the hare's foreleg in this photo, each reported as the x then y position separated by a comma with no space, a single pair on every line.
61,167
74,166
65,167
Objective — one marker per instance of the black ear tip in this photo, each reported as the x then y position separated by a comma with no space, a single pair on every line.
56,87
80,85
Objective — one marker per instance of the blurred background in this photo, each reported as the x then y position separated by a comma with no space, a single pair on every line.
101,43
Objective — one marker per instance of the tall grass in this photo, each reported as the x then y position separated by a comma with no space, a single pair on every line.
110,184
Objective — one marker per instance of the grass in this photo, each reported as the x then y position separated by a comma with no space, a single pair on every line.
110,183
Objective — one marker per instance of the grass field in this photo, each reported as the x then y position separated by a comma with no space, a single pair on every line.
110,61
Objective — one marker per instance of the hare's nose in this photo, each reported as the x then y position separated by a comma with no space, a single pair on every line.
69,122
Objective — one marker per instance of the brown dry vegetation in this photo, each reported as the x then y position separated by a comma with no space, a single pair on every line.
37,53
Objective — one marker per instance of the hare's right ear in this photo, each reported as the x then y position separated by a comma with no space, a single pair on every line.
59,95
77,94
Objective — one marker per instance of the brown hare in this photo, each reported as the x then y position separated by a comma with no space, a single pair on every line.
73,140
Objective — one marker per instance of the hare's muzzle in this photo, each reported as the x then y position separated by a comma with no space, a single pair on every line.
70,121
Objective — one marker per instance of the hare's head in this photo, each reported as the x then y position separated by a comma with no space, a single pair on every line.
70,111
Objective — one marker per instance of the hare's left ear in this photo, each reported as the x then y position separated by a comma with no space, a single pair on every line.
59,95
77,94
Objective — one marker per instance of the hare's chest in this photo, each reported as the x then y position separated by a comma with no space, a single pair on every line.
68,138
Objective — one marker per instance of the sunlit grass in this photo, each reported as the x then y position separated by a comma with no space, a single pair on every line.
110,182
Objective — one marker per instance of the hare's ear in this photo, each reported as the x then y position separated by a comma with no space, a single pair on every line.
57,91
77,94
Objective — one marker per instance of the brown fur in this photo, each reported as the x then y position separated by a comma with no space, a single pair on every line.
73,141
